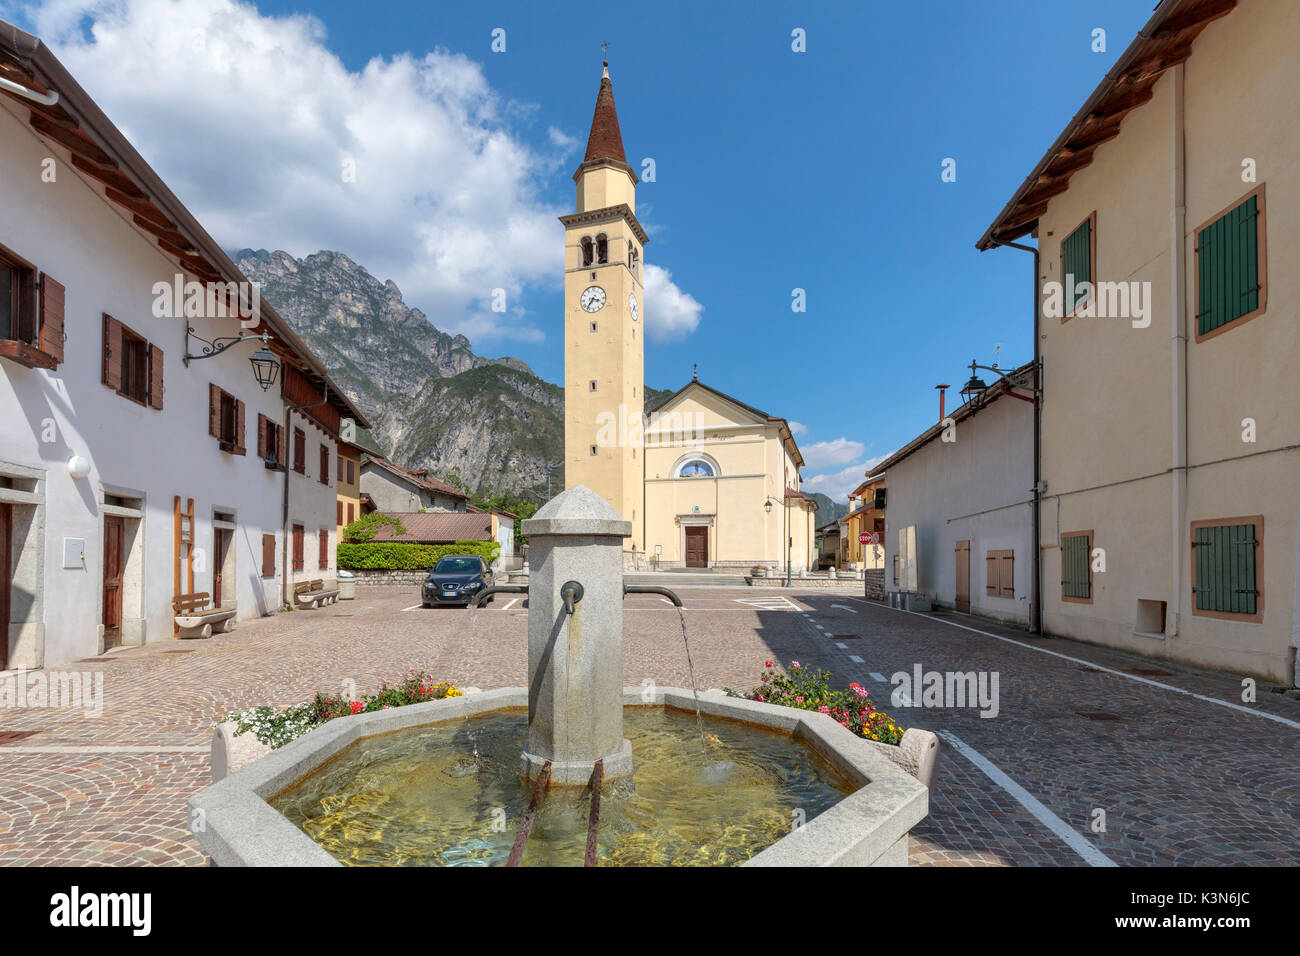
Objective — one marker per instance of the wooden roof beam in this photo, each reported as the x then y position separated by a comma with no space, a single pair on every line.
109,176
76,141
1195,18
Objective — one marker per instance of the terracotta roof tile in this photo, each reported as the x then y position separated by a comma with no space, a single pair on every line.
440,527
605,141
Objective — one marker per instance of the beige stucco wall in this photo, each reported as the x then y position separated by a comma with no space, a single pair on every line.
750,462
1109,387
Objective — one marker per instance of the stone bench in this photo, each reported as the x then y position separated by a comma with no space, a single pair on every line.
313,594
195,618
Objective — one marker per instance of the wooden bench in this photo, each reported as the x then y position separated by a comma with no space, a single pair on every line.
313,594
196,618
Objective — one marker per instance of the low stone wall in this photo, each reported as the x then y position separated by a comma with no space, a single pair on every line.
876,583
371,576
842,583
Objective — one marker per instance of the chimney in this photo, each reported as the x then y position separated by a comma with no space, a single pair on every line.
941,388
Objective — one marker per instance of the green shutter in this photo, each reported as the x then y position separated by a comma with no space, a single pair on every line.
1076,576
1227,253
1076,260
1225,569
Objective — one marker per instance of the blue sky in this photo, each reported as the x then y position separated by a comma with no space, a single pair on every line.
775,170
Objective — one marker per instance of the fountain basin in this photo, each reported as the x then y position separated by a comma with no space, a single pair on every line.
237,826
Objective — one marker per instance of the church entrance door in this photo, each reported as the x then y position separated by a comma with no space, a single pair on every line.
697,547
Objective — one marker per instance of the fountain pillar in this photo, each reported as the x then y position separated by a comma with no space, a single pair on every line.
575,660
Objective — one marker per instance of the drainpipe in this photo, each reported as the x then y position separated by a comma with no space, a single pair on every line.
286,571
1178,346
1035,554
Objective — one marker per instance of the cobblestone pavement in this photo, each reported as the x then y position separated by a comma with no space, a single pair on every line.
1184,772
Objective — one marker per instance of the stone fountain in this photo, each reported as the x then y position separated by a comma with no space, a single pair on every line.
576,704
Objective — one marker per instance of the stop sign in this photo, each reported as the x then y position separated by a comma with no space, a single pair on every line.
864,538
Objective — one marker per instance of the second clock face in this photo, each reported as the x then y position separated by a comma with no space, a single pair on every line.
593,298
631,306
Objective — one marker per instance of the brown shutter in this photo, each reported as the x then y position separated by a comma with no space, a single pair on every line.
268,555
324,550
340,468
990,574
51,318
297,547
261,436
111,364
340,517
1006,576
239,448
214,411
281,443
155,377
350,513
352,475
324,465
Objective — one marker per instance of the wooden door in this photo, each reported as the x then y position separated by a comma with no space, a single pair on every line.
963,577
112,581
6,555
697,547
220,545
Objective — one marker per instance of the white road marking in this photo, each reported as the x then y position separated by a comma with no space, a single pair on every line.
666,601
843,647
878,677
854,657
776,603
1072,838
513,602
819,627
412,607
1133,677
843,608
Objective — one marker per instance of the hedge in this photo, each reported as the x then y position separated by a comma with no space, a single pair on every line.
404,556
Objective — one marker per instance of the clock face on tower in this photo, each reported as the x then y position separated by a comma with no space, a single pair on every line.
631,305
593,299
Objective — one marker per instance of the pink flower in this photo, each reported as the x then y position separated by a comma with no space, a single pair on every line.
386,707
795,664
356,706
798,700
823,709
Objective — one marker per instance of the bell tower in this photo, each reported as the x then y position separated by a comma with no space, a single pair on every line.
604,324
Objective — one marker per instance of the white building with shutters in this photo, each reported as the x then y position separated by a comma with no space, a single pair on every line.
129,476
958,518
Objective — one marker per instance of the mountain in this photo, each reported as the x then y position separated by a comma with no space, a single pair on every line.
828,510
431,402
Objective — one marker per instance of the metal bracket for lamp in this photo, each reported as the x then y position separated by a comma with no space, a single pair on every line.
266,368
975,390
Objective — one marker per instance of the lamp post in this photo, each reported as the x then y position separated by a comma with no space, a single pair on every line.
975,390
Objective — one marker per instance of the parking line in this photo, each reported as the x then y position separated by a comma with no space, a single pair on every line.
878,677
1109,670
512,603
841,646
412,607
854,658
1072,838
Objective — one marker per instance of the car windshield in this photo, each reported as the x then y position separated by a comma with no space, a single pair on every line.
457,566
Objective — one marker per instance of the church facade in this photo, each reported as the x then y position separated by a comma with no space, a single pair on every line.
707,481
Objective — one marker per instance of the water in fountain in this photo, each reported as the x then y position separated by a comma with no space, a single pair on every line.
722,770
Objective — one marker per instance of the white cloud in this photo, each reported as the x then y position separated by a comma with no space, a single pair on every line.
837,485
670,313
250,119
798,428
824,454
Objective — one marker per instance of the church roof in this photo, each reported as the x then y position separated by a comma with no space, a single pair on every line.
605,142
787,436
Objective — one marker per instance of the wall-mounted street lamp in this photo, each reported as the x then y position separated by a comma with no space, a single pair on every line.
975,390
266,367
767,507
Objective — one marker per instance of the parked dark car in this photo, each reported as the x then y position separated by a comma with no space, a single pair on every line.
455,580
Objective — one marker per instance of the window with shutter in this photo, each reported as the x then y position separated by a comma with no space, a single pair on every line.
339,518
352,474
324,464
1076,567
262,444
111,356
1231,285
268,555
340,478
1226,573
1078,250
1000,573
350,513
297,547
226,420
323,561
300,451
24,337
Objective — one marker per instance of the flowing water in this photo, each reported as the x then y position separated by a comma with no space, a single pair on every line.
690,667
450,794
